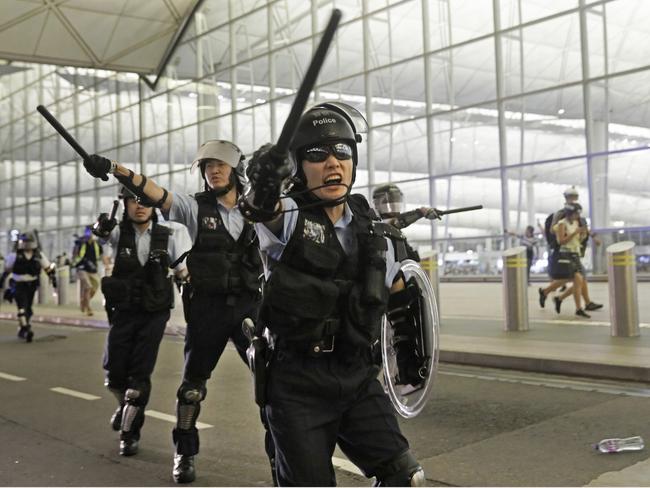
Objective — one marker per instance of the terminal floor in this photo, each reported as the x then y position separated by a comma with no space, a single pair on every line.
472,333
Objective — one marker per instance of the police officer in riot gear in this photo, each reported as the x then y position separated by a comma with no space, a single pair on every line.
224,267
388,200
329,269
25,266
139,296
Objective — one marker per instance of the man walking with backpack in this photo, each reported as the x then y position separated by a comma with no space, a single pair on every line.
561,269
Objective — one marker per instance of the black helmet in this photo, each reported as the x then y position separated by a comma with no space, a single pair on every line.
126,193
388,200
27,241
327,122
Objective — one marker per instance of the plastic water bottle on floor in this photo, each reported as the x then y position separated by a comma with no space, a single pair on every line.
620,445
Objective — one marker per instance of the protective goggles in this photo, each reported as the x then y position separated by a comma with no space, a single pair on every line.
319,153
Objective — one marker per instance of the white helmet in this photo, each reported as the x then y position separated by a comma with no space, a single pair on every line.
224,151
571,192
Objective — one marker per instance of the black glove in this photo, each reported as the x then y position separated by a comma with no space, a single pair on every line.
97,166
433,214
266,171
104,226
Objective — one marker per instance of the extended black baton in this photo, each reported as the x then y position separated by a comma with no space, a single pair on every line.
307,84
461,209
61,130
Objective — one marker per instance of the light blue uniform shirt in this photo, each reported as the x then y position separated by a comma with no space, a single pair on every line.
274,245
178,243
185,209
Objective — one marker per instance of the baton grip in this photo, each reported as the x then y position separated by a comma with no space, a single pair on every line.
116,204
61,130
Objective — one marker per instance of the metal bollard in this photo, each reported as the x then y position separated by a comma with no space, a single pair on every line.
44,289
63,285
515,289
430,265
623,302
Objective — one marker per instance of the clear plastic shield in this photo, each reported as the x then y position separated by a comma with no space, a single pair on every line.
409,394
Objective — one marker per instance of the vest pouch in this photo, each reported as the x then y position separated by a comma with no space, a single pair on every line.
209,272
364,318
158,299
157,292
213,241
116,291
297,304
317,258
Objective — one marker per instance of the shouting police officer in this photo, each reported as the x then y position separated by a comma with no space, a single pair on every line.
224,267
139,296
329,270
25,266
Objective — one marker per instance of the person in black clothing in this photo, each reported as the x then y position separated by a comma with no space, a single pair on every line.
224,267
139,296
388,200
25,265
329,268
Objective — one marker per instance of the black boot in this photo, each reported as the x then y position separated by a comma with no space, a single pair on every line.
22,331
183,471
29,336
128,447
116,418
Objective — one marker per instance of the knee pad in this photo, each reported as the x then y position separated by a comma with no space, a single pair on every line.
191,392
137,392
188,406
403,470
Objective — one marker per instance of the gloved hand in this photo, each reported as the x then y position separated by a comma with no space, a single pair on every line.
431,213
104,226
266,172
98,166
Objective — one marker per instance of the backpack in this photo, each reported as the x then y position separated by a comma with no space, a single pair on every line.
551,238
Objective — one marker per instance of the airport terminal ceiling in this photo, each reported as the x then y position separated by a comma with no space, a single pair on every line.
499,102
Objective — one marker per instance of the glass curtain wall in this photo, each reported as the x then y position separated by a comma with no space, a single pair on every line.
503,103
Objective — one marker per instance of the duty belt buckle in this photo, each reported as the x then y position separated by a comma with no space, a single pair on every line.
324,346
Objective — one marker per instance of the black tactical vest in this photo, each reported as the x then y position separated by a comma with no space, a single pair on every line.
31,266
217,263
316,290
133,286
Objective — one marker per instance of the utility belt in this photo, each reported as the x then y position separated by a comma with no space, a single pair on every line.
324,346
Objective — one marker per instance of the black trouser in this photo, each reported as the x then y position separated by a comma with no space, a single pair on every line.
530,254
24,297
315,403
131,351
212,320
